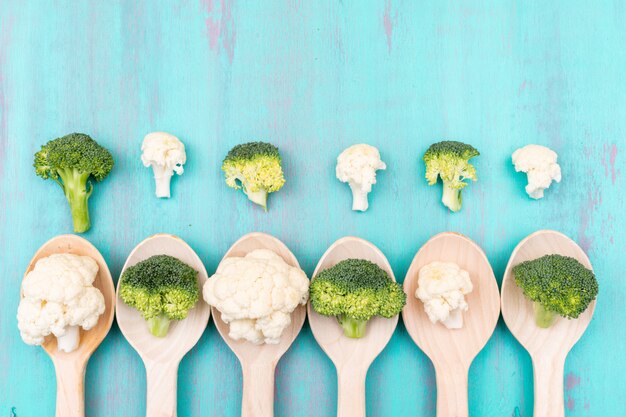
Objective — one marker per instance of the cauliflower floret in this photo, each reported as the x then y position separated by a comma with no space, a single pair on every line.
540,164
166,154
256,295
58,298
442,287
357,165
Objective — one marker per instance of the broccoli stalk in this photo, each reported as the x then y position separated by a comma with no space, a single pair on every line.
354,291
449,160
558,286
162,288
72,161
255,168
352,327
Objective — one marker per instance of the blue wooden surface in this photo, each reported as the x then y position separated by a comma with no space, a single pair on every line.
314,77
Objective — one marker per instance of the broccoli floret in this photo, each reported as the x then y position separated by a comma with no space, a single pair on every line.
162,288
71,161
355,290
558,285
255,168
449,160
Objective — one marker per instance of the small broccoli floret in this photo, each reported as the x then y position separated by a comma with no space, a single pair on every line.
162,288
355,290
71,161
255,168
558,285
449,160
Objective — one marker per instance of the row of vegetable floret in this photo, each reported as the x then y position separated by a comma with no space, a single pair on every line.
255,167
257,293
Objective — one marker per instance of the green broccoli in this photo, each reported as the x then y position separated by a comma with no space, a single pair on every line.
558,285
355,290
162,288
449,160
255,168
71,161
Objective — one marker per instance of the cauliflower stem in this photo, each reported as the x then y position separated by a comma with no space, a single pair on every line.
352,328
69,341
359,198
162,177
159,325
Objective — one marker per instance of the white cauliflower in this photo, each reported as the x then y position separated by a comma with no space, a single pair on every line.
256,295
166,154
442,287
357,165
539,162
58,298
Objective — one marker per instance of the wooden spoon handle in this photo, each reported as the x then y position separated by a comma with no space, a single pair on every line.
452,391
258,390
548,375
351,395
70,389
161,393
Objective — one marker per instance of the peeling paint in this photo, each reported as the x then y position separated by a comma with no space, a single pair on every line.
571,381
388,24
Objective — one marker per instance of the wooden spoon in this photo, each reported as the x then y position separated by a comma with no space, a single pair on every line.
352,357
453,350
258,362
547,347
162,355
70,367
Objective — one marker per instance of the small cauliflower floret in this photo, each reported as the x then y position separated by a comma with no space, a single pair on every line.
256,295
357,165
539,163
59,298
166,154
442,287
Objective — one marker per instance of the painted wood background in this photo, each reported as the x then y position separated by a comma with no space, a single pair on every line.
314,77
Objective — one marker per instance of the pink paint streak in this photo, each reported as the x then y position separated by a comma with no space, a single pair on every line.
522,87
220,26
608,161
388,23
5,38
571,381
570,403
593,201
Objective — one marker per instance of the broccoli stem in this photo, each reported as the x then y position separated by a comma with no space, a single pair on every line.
75,189
162,178
451,198
69,341
359,199
258,197
544,318
352,327
159,325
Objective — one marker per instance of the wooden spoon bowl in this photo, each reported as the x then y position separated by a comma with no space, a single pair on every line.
258,362
162,355
352,357
453,350
70,367
548,348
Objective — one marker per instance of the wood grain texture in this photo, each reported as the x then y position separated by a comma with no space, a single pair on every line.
351,357
258,362
548,348
452,351
70,367
162,355
315,77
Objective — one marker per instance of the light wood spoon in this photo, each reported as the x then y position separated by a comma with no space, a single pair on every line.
453,350
162,355
258,362
70,367
548,348
352,357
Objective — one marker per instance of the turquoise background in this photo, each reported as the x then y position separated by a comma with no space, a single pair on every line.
314,77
